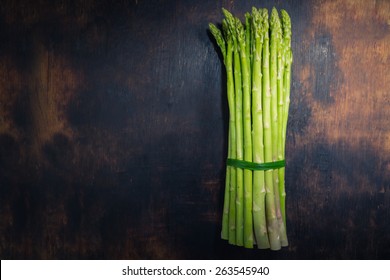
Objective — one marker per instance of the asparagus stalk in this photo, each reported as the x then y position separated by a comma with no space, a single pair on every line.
239,148
276,37
286,23
259,218
225,215
245,70
232,127
238,199
281,171
280,90
232,133
272,223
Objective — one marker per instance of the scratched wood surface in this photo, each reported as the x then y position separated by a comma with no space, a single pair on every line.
113,127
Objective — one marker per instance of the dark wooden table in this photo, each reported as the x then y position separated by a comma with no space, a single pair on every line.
113,129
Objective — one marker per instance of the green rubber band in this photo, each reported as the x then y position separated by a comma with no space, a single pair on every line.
255,166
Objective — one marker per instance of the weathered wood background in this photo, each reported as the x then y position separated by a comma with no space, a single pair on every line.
113,128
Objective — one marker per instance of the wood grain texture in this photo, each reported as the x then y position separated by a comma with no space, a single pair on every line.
113,130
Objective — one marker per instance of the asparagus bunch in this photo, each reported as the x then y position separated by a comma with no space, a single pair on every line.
257,57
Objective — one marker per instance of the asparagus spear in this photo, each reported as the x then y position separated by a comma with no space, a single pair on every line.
259,218
272,223
238,199
239,148
286,23
280,90
274,40
245,70
225,53
232,132
276,37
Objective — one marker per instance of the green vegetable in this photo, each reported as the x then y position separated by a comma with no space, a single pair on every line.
257,57
287,54
259,219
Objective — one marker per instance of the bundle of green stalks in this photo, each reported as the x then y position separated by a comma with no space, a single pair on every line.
257,57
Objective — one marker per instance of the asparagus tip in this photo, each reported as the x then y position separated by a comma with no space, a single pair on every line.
216,32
